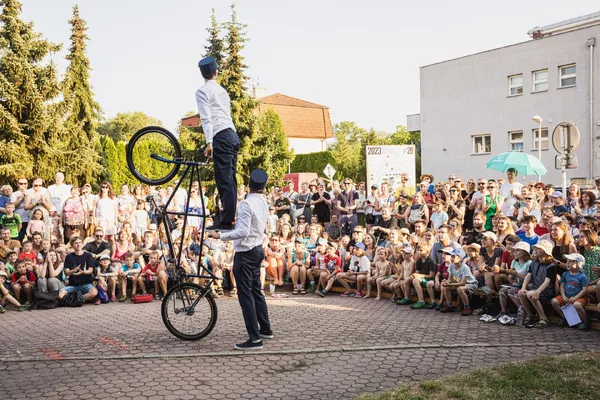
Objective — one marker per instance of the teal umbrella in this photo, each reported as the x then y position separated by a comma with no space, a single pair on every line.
524,163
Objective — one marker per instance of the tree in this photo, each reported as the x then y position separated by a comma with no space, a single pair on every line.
29,119
124,125
82,112
215,46
270,148
347,150
234,80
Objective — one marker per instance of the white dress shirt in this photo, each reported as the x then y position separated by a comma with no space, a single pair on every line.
250,223
214,107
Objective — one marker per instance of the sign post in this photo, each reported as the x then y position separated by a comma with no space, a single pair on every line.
565,140
329,171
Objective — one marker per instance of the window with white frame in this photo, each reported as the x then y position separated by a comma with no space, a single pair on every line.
567,75
515,85
482,144
515,141
540,80
544,139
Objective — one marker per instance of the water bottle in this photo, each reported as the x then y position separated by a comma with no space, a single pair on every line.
520,315
312,286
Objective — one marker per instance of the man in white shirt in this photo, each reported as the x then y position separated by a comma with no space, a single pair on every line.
222,141
59,192
250,229
510,190
477,198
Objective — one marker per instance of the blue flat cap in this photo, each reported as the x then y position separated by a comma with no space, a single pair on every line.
258,179
208,66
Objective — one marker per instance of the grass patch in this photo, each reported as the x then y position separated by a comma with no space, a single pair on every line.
569,377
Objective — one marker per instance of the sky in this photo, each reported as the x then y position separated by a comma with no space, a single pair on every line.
359,58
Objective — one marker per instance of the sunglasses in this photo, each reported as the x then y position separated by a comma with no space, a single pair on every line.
528,198
453,191
99,236
37,185
481,183
22,183
104,187
357,232
491,187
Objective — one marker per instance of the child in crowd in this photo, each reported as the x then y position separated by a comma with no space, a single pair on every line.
460,280
442,274
381,269
298,262
359,265
573,290
128,271
11,221
516,274
406,267
152,275
272,221
107,276
539,283
313,274
424,272
11,259
439,216
6,296
501,271
22,279
36,224
56,229
141,219
28,252
334,267
527,232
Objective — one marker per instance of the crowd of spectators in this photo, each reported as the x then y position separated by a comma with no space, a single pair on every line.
518,244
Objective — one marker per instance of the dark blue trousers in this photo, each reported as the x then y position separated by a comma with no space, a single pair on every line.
226,144
246,269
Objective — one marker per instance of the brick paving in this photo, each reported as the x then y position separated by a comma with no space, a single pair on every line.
333,348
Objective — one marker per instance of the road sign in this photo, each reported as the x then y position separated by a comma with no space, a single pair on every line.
568,161
570,137
329,171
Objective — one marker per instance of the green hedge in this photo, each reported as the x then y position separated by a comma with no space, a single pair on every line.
313,162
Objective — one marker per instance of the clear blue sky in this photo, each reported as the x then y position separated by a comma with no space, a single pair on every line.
360,58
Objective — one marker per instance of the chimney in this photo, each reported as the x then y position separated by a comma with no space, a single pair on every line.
258,92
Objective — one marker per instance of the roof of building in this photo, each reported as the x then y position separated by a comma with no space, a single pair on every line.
300,118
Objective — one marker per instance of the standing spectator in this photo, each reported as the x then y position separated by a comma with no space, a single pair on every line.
369,207
38,198
18,198
5,194
510,191
59,192
573,196
384,225
347,204
11,221
405,188
362,197
491,204
282,204
427,181
89,200
302,202
125,206
74,215
321,201
105,211
291,192
402,206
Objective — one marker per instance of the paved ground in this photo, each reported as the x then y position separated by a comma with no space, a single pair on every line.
333,348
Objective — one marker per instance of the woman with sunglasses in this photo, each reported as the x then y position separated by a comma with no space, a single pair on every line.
275,255
456,205
529,206
492,203
573,196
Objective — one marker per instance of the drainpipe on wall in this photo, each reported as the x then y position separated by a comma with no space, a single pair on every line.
591,43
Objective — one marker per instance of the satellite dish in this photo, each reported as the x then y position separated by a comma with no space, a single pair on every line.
570,137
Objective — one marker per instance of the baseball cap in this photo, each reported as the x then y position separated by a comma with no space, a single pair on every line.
104,257
522,246
556,194
360,245
446,250
408,250
2,273
577,258
373,186
333,245
490,235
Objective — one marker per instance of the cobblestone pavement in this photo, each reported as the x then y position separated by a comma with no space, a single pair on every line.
333,348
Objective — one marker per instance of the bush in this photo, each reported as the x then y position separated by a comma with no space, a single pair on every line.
313,162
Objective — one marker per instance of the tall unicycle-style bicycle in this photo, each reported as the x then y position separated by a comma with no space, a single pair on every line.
154,157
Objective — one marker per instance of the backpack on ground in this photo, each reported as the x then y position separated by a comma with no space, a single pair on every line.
73,299
44,300
102,295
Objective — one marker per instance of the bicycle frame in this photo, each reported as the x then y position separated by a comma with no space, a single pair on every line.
192,168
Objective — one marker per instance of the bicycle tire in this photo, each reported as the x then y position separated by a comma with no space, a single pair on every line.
171,296
173,146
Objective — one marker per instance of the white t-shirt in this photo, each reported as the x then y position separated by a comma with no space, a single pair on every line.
20,211
506,191
180,197
58,195
361,264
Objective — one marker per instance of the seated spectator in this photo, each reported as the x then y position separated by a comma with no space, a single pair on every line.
9,266
491,254
154,275
455,231
517,273
7,244
22,279
381,269
588,245
334,267
443,237
359,265
107,277
99,247
539,283
527,232
460,280
442,274
333,228
275,254
476,234
50,276
313,273
405,267
573,290
424,273
122,246
439,216
79,268
384,225
501,271
6,296
129,271
311,240
298,263
28,252
559,206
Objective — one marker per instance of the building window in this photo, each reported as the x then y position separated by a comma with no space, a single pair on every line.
515,85
515,141
540,80
482,144
544,139
567,75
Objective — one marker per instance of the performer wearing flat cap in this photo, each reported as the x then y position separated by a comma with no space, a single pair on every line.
248,239
223,143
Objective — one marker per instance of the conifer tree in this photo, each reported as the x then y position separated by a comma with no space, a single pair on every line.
29,121
215,46
82,112
270,149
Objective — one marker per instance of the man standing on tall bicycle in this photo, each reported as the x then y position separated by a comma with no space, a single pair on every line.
222,141
248,240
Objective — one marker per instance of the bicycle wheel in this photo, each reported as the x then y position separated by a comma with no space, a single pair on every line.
185,317
149,141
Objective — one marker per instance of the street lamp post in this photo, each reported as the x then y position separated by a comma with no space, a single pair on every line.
539,120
